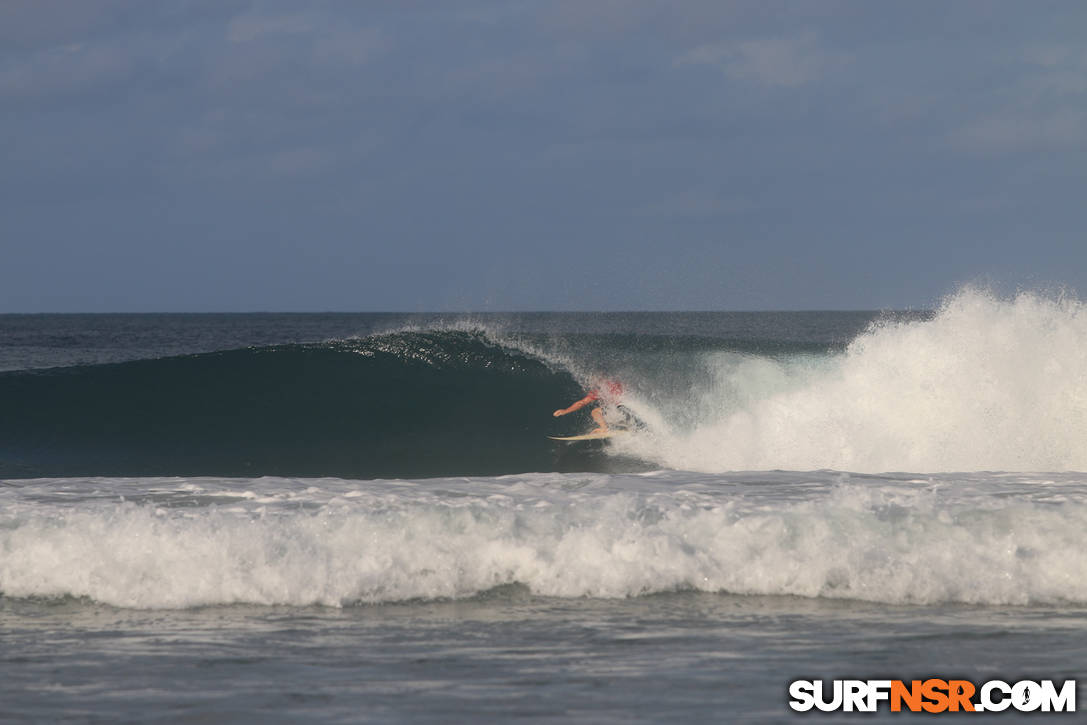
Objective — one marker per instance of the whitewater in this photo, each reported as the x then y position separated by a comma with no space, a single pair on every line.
225,501
154,543
986,384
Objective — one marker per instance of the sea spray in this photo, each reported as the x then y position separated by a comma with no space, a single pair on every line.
986,384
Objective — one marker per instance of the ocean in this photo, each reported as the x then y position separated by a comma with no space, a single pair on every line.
361,518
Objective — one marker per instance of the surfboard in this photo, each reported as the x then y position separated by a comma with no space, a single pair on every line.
592,436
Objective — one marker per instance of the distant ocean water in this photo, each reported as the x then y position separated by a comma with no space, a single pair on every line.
361,518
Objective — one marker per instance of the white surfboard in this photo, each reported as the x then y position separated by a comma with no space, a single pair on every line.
611,433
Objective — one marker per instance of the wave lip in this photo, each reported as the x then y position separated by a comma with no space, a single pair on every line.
343,543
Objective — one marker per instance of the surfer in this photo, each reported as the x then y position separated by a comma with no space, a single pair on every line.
607,392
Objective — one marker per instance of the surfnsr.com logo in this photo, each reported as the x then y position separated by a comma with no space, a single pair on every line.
932,695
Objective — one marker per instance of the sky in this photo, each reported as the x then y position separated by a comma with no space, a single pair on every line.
462,155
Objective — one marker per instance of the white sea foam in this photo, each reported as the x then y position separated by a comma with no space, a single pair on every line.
987,384
138,543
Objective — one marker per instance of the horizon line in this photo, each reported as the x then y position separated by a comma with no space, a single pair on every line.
470,312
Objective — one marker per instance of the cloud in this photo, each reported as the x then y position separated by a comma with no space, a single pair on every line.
28,26
1042,107
352,46
1058,69
784,62
212,153
1035,132
258,42
247,28
75,67
698,204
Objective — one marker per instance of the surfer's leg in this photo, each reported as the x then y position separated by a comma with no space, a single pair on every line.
601,424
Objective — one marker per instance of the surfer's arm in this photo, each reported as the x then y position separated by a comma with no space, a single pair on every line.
576,406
